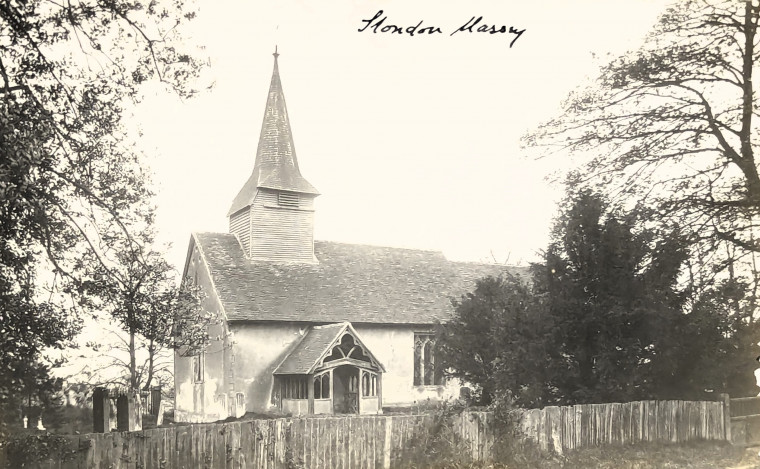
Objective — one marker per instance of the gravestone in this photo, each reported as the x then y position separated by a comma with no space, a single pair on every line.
155,400
101,410
128,412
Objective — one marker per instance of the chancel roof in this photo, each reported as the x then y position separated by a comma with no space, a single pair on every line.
276,165
353,283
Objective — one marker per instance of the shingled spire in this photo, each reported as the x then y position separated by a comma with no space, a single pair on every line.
272,215
276,165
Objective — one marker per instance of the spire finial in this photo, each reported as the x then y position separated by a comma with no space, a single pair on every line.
275,53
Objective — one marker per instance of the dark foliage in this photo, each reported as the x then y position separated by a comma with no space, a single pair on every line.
670,129
612,292
604,319
717,347
497,340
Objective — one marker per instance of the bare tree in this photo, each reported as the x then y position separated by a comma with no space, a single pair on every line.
671,127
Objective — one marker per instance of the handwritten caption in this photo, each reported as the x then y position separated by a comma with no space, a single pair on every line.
379,24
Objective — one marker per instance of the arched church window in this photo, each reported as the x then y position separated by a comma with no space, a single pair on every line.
369,384
429,363
325,386
426,371
322,386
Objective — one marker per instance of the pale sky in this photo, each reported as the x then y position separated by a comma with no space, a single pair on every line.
412,141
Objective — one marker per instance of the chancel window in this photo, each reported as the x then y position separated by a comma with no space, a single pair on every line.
295,387
426,371
322,386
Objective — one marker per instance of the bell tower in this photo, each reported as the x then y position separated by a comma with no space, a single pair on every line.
273,214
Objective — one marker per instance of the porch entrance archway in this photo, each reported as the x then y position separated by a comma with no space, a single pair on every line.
346,390
342,374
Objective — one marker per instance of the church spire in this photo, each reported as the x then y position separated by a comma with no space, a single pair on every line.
276,164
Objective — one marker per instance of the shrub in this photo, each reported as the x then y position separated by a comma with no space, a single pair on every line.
31,446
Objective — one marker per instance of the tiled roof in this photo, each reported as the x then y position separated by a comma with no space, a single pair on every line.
354,283
276,165
314,345
311,348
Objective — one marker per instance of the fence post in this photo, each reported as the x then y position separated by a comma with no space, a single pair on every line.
726,416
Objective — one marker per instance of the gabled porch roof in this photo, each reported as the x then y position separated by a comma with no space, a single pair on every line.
320,344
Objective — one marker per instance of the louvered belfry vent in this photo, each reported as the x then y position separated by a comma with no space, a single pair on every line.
273,214
287,199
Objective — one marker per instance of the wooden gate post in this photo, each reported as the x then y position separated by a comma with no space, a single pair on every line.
101,410
726,416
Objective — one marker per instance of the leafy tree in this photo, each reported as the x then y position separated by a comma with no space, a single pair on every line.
144,309
672,126
152,315
591,326
28,321
68,172
717,349
498,341
38,394
605,318
612,291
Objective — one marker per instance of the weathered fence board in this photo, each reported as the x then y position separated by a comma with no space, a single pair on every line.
745,420
385,441
743,406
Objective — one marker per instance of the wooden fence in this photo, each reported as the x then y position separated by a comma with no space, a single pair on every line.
745,420
560,429
385,441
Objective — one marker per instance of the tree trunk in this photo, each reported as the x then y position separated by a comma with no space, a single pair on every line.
151,364
133,381
747,156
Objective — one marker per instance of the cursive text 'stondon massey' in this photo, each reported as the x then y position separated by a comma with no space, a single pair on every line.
379,24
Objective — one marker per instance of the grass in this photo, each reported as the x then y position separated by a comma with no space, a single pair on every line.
696,455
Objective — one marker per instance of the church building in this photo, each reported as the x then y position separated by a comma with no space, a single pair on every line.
311,327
